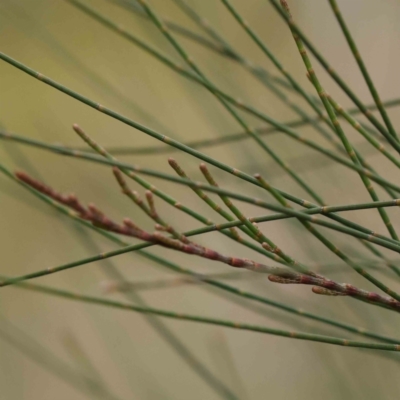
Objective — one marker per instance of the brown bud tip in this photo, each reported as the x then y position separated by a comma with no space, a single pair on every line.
77,129
257,176
20,174
203,167
129,223
326,292
172,161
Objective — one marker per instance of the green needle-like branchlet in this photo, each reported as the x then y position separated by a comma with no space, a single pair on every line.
354,229
363,68
173,266
311,211
336,76
210,321
322,94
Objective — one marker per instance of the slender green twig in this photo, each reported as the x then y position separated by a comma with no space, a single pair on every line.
255,201
358,127
353,155
163,330
238,103
193,65
222,49
209,321
355,230
336,77
189,358
220,227
331,246
346,143
178,169
118,29
321,92
218,48
270,85
363,68
321,284
252,226
174,267
167,139
231,138
375,252
275,61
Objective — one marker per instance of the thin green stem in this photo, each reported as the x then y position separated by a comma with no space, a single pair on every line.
191,63
336,77
202,23
238,103
209,321
363,68
359,128
252,226
355,230
197,144
218,48
178,169
322,94
274,60
174,267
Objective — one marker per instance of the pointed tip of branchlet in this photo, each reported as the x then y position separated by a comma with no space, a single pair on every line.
96,213
172,162
78,130
159,227
131,225
206,173
118,176
326,292
21,174
81,132
257,175
71,197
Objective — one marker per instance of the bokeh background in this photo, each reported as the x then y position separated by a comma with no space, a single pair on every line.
128,356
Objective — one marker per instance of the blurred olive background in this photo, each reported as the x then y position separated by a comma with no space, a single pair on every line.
131,359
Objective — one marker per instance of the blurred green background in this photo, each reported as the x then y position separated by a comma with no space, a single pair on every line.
134,363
